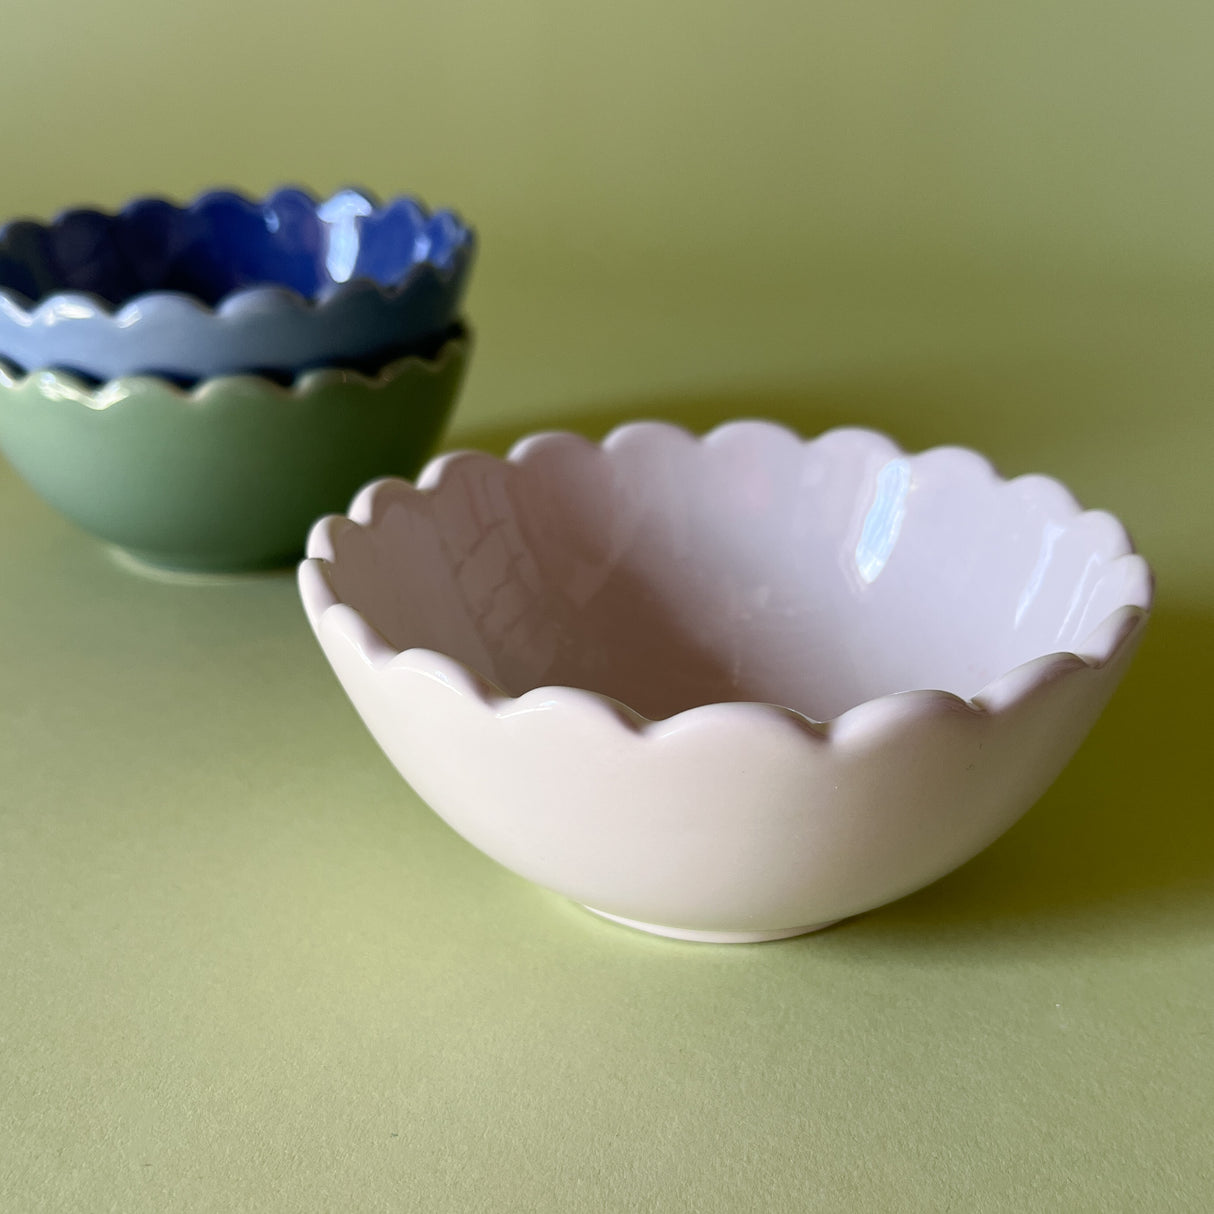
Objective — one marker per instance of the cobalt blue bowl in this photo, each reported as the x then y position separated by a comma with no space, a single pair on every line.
227,284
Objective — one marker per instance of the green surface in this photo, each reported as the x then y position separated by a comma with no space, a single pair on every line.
245,970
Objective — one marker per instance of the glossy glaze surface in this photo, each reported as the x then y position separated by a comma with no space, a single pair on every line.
737,685
228,284
227,476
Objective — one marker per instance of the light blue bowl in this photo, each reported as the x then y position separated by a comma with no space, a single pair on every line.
227,284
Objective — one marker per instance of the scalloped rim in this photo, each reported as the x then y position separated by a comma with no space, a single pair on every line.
85,305
326,611
64,385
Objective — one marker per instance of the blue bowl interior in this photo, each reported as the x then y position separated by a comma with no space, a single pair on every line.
223,243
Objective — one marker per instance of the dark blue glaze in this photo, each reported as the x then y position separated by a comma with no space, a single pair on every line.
223,243
227,285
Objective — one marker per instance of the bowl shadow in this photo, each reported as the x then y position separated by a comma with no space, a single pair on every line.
1122,846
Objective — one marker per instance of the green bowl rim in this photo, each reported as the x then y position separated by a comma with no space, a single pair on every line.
64,385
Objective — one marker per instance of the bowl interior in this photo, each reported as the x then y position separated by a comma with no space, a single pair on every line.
668,572
223,243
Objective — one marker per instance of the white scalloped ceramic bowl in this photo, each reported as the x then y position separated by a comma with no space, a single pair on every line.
732,688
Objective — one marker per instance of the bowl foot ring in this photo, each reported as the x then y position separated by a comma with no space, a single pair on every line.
682,933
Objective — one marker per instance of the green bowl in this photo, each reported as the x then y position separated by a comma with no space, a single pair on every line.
228,475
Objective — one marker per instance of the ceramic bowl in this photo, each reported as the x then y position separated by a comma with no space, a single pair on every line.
731,688
228,284
228,475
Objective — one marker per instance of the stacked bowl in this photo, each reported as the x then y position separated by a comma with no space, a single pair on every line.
725,688
196,384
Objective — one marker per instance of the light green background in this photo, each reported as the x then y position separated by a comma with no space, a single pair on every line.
242,968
